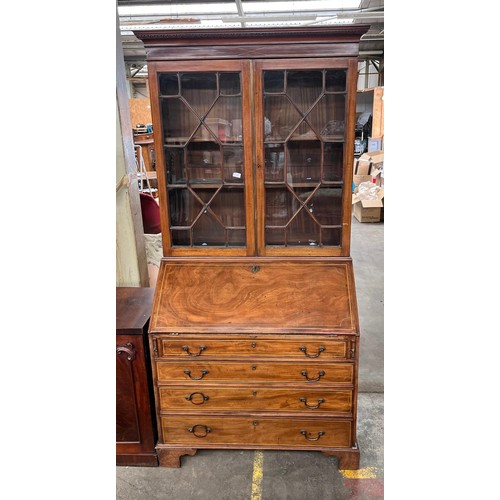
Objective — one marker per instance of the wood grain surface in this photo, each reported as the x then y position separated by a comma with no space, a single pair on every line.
257,295
262,347
315,373
254,430
255,398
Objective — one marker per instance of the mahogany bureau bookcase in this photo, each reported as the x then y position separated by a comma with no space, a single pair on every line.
254,329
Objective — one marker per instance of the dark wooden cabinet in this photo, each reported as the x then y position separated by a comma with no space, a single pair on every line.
135,416
254,331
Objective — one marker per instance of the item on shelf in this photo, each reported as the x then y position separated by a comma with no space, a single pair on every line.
220,128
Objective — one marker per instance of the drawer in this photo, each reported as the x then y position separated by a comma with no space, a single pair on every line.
257,398
311,373
304,348
199,431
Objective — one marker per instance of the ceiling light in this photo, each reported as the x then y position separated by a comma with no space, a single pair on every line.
291,7
177,9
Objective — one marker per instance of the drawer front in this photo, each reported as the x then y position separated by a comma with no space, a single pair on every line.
255,399
198,431
326,349
311,373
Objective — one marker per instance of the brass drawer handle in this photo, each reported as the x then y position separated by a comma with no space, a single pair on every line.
303,348
204,427
305,434
304,400
321,373
186,348
190,398
188,373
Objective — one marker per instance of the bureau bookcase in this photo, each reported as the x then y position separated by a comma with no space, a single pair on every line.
254,328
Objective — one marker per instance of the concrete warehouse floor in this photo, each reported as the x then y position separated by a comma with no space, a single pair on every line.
294,475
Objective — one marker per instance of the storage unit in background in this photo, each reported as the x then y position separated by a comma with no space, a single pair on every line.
372,101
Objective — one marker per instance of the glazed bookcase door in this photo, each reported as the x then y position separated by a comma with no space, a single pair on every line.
304,125
204,157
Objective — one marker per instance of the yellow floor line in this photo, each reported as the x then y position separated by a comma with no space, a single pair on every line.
366,473
258,473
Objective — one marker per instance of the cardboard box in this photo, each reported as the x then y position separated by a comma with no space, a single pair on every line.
369,167
362,171
363,214
378,176
358,179
368,210
374,157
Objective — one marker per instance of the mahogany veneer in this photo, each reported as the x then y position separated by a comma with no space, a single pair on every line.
254,332
135,420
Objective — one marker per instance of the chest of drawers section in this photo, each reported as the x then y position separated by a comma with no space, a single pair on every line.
255,391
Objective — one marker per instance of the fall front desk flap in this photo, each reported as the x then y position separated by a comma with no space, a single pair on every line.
261,295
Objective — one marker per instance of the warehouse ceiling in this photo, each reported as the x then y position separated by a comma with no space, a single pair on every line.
136,15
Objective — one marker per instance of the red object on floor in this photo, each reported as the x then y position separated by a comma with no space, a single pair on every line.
150,214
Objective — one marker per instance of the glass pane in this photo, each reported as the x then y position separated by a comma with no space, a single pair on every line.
280,118
180,237
328,116
274,167
280,205
331,236
336,80
204,162
304,161
304,131
326,206
302,193
229,206
183,207
222,116
174,162
199,90
206,195
304,88
169,84
178,121
233,164
275,236
303,230
274,81
207,231
333,162
236,237
230,83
